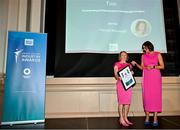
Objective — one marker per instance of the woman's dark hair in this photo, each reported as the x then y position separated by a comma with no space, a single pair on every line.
149,45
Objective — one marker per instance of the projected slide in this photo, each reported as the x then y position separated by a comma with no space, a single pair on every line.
110,26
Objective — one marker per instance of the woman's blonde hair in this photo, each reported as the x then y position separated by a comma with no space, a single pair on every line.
119,57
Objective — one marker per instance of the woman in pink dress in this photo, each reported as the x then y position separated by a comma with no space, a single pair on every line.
151,64
124,97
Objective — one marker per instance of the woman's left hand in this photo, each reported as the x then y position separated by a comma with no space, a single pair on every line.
150,67
132,72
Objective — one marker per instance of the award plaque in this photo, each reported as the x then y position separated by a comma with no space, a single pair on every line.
127,78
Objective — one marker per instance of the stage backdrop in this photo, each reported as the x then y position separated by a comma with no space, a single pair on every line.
24,94
62,64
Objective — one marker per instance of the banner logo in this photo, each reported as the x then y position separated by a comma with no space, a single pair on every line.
29,42
27,73
17,54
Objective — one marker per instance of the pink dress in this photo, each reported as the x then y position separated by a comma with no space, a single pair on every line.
124,97
151,84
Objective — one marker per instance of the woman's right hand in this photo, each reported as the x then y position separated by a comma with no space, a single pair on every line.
133,63
117,77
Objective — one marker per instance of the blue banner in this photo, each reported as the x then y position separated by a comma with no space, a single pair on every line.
24,93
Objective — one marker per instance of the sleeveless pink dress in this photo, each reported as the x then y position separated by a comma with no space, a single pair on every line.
151,84
124,97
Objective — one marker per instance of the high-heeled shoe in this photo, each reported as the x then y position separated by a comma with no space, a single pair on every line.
123,123
146,123
128,122
155,124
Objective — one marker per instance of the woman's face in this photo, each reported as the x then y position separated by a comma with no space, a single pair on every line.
145,49
141,27
123,56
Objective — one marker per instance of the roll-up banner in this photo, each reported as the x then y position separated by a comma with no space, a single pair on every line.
24,91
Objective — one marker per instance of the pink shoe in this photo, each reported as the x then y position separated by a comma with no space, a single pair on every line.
128,122
123,123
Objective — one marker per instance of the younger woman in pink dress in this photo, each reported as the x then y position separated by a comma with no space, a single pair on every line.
124,97
151,64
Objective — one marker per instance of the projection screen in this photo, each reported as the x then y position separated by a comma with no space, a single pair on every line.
110,26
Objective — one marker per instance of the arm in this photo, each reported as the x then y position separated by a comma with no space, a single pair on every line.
131,67
138,65
161,62
115,73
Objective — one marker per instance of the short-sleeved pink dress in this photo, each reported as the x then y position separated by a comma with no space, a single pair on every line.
124,97
151,84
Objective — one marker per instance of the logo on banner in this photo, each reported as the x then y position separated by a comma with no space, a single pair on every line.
17,54
27,73
29,42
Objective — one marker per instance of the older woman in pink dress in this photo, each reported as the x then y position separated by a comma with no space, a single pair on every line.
151,64
124,97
